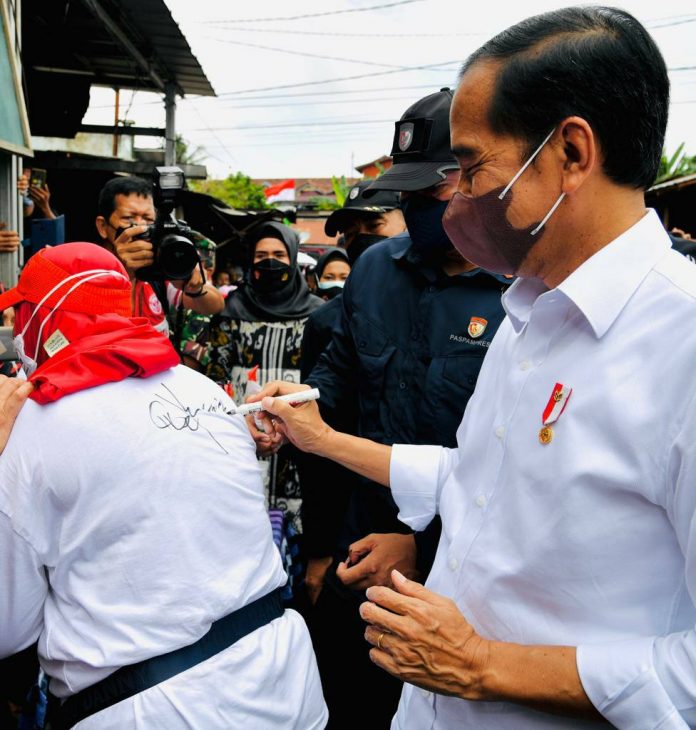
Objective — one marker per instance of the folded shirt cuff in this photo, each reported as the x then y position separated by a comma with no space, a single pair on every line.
414,477
621,682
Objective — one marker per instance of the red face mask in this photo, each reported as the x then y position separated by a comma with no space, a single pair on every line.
479,229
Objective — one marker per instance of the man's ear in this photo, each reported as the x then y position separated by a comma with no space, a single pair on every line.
578,145
102,226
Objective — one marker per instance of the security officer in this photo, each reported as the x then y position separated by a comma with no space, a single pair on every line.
363,223
416,322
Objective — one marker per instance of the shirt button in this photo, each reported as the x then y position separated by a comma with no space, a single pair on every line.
431,289
425,693
500,431
480,501
453,564
525,365
402,385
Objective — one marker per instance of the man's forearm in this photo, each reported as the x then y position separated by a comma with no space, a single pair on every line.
364,457
542,677
212,302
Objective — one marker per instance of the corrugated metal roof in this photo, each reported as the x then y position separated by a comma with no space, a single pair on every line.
68,37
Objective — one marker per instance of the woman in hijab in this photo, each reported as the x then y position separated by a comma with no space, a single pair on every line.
258,335
331,272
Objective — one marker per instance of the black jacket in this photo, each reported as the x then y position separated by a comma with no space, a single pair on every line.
406,355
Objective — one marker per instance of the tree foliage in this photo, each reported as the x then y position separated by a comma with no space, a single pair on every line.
322,202
187,155
677,165
237,190
341,188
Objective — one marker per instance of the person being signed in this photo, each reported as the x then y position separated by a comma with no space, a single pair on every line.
135,546
565,576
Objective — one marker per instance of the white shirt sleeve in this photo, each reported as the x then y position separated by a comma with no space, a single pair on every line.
173,295
416,476
650,682
23,592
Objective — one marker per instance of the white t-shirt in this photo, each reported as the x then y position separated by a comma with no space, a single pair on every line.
132,517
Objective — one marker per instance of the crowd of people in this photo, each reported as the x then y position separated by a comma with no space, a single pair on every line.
486,520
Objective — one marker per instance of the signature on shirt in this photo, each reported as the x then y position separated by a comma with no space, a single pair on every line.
167,411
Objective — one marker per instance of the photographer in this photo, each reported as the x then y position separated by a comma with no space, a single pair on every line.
125,211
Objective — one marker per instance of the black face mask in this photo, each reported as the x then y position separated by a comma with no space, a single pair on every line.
423,216
272,275
361,243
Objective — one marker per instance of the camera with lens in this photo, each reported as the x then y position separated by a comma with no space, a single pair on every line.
175,256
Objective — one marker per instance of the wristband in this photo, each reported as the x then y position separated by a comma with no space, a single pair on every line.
201,293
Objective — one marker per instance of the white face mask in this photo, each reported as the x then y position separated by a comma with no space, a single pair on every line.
331,284
28,363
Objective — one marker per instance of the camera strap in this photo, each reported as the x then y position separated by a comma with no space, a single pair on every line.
160,289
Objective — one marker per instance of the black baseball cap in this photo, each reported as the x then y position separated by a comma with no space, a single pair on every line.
421,150
355,202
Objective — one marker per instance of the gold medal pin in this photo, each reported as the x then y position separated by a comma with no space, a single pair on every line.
552,412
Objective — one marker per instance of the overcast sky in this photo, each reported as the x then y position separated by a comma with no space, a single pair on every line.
273,118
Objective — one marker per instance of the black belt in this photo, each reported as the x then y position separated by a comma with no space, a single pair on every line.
135,678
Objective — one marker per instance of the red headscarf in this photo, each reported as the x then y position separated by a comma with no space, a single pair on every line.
104,344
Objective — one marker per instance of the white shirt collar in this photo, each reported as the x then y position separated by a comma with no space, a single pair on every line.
602,285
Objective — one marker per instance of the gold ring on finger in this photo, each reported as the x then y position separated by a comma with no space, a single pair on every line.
379,641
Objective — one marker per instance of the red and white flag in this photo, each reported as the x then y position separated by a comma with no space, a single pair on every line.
281,191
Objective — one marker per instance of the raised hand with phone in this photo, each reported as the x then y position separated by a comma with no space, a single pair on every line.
38,191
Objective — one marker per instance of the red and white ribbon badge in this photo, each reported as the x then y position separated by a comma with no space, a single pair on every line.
557,403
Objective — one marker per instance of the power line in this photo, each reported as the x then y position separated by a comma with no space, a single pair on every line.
212,131
336,141
313,15
351,35
302,132
673,23
329,92
343,78
669,17
190,99
430,66
305,124
308,55
285,104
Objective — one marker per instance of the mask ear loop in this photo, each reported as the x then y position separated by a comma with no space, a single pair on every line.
548,215
58,286
525,166
87,276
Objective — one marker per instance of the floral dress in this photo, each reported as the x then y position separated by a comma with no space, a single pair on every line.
234,348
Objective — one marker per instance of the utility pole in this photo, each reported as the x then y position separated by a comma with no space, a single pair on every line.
170,124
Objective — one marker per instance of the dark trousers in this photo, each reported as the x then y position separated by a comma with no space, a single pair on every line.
358,693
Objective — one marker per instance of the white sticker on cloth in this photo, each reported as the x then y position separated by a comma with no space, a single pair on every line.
55,343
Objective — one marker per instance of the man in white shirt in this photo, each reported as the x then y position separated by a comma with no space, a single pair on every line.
134,540
563,592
